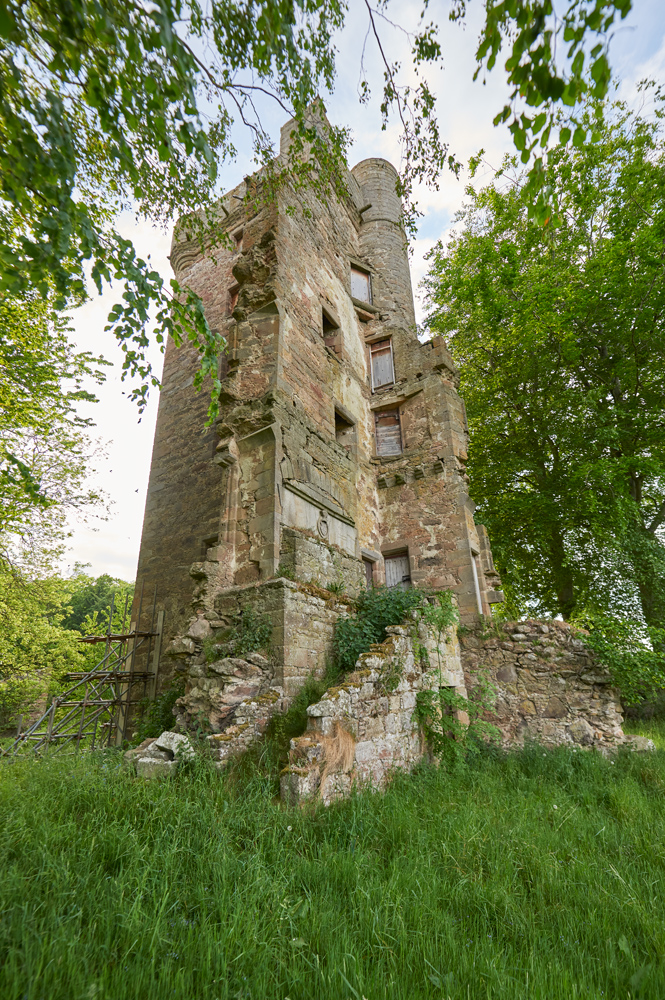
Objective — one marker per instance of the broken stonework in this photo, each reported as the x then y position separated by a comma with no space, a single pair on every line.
364,729
549,685
159,756
249,724
214,691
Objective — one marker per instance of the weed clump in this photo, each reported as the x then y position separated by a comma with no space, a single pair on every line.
375,611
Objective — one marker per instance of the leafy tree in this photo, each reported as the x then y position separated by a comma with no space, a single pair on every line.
42,618
45,447
35,649
105,105
559,335
89,602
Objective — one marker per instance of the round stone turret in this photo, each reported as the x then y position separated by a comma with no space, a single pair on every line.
383,242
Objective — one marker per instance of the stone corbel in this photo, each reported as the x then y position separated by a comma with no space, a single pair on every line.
226,452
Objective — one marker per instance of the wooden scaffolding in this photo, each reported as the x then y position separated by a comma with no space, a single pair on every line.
95,711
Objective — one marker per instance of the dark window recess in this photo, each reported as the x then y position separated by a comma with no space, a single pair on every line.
233,297
237,239
208,543
398,572
332,335
381,359
388,433
345,431
361,285
369,573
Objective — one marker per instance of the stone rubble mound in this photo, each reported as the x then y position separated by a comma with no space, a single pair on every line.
159,756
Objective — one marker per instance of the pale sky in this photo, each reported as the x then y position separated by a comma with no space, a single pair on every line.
465,111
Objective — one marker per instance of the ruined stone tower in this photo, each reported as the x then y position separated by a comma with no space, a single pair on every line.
339,453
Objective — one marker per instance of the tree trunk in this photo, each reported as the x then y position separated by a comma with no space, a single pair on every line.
563,576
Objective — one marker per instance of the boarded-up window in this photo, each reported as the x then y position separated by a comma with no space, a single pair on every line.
398,573
388,433
381,361
361,286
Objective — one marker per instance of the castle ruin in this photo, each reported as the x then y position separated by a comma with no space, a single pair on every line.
337,462
340,449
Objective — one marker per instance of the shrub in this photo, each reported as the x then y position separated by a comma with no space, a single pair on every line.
633,654
375,610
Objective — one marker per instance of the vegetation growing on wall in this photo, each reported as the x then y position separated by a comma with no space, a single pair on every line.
375,610
249,630
450,739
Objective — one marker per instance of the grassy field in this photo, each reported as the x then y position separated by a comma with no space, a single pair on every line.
537,875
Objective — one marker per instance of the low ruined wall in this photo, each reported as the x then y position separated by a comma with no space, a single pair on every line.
216,681
365,728
549,686
546,686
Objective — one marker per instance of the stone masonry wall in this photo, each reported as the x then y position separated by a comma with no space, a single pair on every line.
362,730
549,685
216,680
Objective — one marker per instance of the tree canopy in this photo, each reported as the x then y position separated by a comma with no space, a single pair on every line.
105,105
559,334
45,445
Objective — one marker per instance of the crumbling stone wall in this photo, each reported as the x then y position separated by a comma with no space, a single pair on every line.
549,685
217,680
359,732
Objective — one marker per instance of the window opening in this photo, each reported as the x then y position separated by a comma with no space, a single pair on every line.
208,543
381,363
476,582
233,297
388,433
332,335
369,573
345,431
398,571
237,238
361,285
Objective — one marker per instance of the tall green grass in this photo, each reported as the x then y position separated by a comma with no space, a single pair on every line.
534,875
